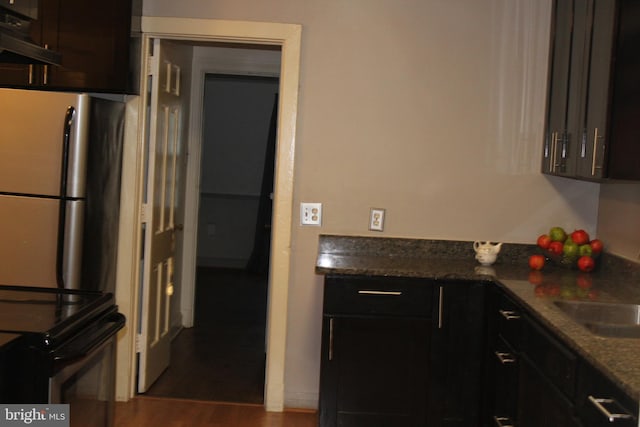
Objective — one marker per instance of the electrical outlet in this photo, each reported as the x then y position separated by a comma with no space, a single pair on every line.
310,213
376,219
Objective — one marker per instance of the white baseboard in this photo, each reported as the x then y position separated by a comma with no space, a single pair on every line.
301,400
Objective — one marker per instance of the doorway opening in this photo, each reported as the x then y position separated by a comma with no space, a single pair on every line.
287,38
222,357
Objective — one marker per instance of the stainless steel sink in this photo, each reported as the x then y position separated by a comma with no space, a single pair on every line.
607,319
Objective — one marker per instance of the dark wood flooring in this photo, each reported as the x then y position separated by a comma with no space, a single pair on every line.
222,358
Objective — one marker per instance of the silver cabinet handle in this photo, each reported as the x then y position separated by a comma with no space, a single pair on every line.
593,156
390,293
503,421
505,358
600,403
331,338
45,70
440,306
509,314
552,155
565,143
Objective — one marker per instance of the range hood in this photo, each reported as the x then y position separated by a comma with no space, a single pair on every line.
16,46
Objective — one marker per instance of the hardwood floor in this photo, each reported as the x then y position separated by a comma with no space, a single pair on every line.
155,411
216,376
222,357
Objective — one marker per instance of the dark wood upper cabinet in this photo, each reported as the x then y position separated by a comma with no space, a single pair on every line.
592,128
99,52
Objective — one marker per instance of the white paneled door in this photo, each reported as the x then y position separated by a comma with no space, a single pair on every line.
167,106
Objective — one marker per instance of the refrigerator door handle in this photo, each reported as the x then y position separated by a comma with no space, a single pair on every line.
66,141
62,216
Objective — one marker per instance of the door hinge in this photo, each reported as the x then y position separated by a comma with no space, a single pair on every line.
138,343
152,66
144,213
152,58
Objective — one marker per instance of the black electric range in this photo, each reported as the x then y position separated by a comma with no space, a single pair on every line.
58,346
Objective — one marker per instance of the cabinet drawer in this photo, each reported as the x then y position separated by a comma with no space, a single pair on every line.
602,403
378,295
26,9
504,375
552,358
509,321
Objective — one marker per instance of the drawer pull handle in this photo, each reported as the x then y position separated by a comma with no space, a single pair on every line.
391,293
505,358
440,306
510,314
503,421
600,403
331,339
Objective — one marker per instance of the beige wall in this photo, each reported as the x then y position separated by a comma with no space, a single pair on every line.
619,219
431,109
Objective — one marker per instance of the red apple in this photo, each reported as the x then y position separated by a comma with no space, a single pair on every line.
556,248
543,241
536,262
580,237
586,263
596,246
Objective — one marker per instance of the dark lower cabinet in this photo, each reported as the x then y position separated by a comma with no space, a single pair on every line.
501,361
530,375
407,352
502,364
457,348
533,379
602,403
375,352
540,403
376,372
401,352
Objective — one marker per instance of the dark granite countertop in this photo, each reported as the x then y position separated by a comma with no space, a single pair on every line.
614,280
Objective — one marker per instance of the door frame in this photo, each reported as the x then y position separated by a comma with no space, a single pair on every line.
288,37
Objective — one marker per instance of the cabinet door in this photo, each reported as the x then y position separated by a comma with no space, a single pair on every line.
560,58
602,403
374,372
93,38
577,94
592,148
571,41
457,348
623,143
23,75
540,404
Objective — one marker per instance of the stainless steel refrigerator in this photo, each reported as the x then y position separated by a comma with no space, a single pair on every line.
60,167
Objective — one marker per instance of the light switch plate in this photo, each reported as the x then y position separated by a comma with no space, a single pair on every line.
310,213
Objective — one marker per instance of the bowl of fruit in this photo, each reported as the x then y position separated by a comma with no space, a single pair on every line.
574,250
